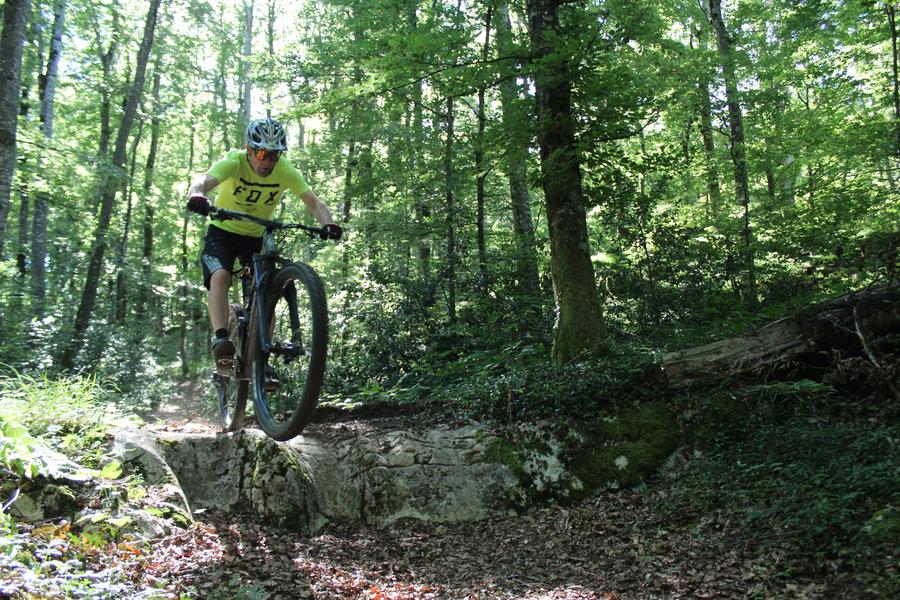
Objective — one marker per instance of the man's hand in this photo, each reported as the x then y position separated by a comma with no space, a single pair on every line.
331,231
199,204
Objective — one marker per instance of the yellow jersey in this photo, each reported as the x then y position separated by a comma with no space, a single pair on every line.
242,190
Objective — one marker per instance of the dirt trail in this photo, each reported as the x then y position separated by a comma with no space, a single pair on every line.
190,409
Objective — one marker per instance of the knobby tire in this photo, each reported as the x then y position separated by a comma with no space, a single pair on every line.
298,316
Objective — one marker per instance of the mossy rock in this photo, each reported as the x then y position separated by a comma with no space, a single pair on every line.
503,452
625,448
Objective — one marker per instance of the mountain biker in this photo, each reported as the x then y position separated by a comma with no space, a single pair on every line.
252,181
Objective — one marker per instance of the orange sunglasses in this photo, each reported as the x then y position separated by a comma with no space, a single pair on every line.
263,154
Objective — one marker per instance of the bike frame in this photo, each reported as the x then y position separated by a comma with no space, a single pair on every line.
262,265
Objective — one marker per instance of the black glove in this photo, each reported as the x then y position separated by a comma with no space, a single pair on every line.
199,204
331,231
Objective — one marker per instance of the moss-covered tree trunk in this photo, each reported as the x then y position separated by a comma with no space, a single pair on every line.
579,317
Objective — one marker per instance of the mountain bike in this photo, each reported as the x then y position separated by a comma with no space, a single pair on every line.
280,334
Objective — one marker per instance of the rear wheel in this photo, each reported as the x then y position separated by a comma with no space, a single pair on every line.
287,379
231,391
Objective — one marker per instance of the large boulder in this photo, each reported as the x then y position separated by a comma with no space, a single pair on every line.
380,476
440,475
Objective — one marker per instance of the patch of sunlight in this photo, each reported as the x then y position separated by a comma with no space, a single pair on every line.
604,258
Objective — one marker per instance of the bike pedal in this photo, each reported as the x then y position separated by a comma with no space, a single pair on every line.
272,384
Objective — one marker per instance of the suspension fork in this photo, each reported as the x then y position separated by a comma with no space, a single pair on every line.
262,272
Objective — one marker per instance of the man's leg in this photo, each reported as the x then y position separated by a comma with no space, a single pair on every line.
222,347
219,284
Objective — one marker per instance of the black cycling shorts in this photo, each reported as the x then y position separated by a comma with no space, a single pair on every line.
221,247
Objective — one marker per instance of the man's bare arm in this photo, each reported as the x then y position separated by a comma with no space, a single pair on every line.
316,207
202,185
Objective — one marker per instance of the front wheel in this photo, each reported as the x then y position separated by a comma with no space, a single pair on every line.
288,377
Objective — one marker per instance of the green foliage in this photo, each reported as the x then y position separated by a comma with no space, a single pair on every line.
515,383
793,475
70,414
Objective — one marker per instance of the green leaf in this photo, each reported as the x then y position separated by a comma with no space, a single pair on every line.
112,470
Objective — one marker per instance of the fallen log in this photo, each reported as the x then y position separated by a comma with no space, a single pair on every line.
856,324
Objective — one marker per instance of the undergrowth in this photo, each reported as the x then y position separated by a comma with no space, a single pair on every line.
799,479
517,383
54,452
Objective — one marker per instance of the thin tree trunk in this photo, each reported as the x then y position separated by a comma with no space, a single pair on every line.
480,169
892,21
107,60
149,212
33,36
246,85
738,152
451,211
421,207
89,294
347,204
122,251
12,44
42,200
713,192
579,324
183,291
22,242
221,83
48,89
270,42
513,119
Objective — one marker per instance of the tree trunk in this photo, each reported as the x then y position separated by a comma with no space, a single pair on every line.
451,212
147,254
892,21
421,207
480,169
183,289
221,83
347,203
122,251
42,200
513,119
22,244
48,89
738,153
12,44
273,60
245,82
849,325
713,192
95,266
107,60
579,322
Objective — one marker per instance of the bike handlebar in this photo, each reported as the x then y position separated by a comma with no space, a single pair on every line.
222,214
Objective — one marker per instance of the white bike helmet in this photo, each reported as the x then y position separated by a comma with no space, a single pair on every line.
266,134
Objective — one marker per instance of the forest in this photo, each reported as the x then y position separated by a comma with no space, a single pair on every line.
541,200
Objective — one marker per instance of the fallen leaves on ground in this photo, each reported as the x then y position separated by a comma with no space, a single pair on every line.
609,548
